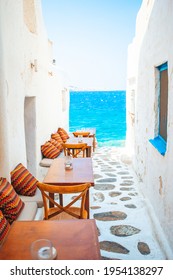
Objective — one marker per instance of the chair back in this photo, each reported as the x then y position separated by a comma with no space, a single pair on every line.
48,192
75,149
81,133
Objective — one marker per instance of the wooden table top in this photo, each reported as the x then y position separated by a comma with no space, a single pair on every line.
73,239
82,172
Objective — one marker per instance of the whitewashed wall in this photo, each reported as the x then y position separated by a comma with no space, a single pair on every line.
151,47
31,94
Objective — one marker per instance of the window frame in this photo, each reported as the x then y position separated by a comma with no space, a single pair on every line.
160,141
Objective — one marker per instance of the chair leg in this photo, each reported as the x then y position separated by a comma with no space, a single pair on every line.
50,203
87,205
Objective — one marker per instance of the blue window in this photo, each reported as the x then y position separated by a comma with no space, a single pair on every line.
160,140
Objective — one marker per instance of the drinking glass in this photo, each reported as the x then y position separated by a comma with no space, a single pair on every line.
80,139
68,163
42,249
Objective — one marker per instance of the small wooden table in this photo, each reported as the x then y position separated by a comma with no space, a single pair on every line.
86,140
92,134
73,239
82,172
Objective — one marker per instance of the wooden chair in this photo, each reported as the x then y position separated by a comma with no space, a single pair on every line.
69,211
75,149
81,133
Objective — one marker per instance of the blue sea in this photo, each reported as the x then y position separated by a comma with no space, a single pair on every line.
104,110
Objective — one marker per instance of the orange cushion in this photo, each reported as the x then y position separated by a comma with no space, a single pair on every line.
10,203
4,227
64,135
57,137
23,181
49,151
56,144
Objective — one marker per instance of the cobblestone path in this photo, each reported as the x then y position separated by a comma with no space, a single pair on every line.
124,227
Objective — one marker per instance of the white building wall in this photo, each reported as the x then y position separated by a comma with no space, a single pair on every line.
152,46
30,91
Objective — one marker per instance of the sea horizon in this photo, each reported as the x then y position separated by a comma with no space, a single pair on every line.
76,89
104,110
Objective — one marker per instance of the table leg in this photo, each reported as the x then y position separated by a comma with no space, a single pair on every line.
60,199
94,143
87,203
88,152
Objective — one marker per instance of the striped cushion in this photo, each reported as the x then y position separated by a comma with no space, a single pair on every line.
64,135
23,181
4,227
10,203
49,151
57,144
57,137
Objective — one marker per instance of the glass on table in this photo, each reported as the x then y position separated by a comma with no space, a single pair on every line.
80,138
68,162
42,249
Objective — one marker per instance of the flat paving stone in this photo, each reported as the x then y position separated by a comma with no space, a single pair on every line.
124,230
127,177
107,180
125,198
127,189
123,173
99,197
107,170
114,194
114,247
130,183
132,206
143,248
104,187
110,216
95,207
98,231
111,174
113,203
133,194
108,259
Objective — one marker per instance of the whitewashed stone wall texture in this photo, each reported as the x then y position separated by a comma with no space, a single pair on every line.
151,47
31,100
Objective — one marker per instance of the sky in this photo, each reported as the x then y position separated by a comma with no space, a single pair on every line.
90,40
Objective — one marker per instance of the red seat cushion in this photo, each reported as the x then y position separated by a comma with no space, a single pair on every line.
57,144
49,150
10,203
57,137
23,181
4,227
64,135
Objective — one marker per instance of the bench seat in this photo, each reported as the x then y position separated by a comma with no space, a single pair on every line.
46,162
36,198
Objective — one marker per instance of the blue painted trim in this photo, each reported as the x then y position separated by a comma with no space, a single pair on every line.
160,144
163,67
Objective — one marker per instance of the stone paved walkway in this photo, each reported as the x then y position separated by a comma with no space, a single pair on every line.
124,226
